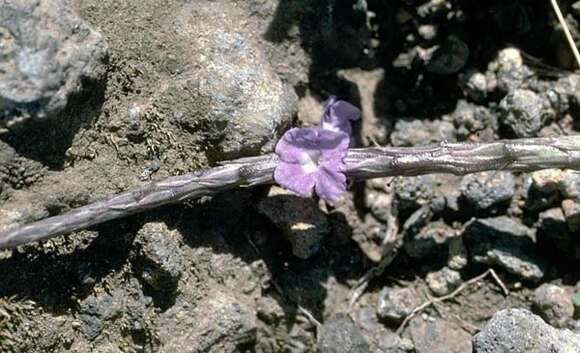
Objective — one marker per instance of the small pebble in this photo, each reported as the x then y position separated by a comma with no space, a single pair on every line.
458,257
396,303
523,112
420,132
486,189
158,258
444,281
553,304
390,342
427,32
511,73
474,85
571,210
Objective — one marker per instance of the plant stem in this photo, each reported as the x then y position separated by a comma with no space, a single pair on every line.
362,163
567,33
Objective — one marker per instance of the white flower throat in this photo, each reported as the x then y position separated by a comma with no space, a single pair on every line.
311,161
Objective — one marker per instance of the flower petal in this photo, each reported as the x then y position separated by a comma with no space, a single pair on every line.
291,147
309,157
295,142
338,115
334,157
330,183
292,177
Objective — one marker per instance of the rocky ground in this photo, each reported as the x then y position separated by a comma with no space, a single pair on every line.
97,97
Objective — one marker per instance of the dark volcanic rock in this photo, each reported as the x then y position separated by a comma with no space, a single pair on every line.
506,243
486,189
300,220
46,52
519,331
553,231
523,112
158,260
449,58
430,240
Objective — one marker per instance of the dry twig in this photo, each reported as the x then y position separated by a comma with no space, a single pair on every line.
566,31
433,301
389,249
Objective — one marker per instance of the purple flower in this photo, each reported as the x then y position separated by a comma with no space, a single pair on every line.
338,115
312,158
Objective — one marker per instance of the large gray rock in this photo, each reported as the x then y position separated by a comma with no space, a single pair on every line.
46,52
520,331
237,100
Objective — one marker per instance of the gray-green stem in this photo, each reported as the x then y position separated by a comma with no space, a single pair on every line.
362,163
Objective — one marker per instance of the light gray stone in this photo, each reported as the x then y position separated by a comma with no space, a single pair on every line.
46,52
520,331
553,304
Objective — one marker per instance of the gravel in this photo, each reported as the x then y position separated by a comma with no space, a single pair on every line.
421,132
